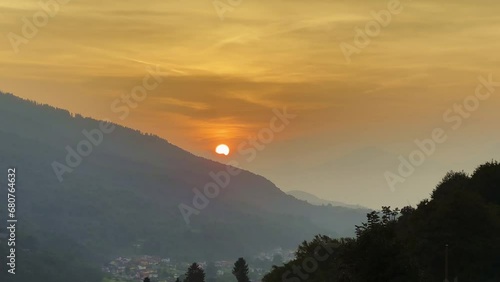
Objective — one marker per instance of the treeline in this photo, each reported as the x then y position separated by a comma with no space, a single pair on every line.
196,273
461,219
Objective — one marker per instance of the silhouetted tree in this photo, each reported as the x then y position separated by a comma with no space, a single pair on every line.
408,245
195,274
240,270
147,279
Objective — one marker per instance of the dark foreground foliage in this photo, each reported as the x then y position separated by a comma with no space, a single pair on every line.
409,245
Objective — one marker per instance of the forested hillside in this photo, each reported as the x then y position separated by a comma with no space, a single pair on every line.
409,245
124,197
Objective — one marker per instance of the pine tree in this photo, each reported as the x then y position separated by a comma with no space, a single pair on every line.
195,274
240,270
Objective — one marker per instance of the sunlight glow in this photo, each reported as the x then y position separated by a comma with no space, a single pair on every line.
222,150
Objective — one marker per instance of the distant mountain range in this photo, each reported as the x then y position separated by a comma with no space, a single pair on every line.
315,200
122,195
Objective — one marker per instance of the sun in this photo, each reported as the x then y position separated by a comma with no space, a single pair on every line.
222,149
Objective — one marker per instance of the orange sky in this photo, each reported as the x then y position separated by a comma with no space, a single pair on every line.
221,79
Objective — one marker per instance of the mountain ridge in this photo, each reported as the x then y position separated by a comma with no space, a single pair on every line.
129,189
315,200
